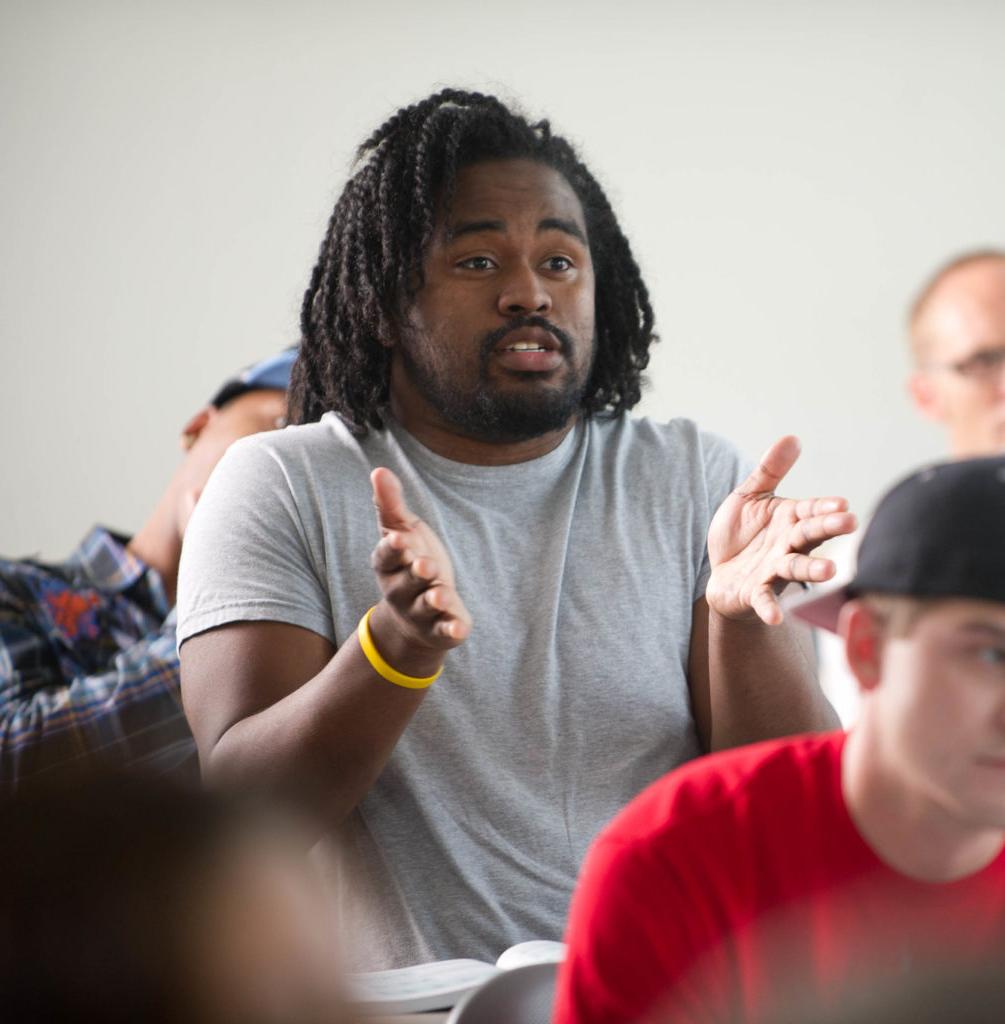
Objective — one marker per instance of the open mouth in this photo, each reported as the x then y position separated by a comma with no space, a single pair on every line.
529,350
526,346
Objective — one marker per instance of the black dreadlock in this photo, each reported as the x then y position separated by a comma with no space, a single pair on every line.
370,262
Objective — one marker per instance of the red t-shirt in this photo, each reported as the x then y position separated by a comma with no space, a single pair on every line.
738,883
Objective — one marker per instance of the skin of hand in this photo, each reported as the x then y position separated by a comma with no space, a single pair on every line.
421,609
758,542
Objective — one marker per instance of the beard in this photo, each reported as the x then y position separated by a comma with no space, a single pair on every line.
488,412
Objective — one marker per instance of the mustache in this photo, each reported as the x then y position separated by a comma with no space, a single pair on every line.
490,340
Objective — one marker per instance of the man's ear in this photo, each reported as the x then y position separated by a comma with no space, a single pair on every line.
863,643
925,395
195,426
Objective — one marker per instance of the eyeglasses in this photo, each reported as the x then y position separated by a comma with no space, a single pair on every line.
981,367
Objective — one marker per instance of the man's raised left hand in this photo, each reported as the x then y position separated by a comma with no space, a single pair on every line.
758,542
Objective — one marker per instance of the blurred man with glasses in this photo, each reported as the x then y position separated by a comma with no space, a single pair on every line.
957,330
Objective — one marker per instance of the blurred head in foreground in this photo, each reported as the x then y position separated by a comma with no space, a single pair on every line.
134,901
957,330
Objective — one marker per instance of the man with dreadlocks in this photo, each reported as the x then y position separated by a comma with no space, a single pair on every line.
474,334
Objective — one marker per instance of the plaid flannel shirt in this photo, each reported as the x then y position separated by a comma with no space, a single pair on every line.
88,665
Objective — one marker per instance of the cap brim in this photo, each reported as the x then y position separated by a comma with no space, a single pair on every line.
818,609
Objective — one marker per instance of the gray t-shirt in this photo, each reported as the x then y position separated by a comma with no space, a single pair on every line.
580,570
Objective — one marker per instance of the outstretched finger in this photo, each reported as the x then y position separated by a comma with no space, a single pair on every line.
434,601
805,569
454,622
405,575
392,554
774,464
389,500
808,507
441,610
806,534
456,629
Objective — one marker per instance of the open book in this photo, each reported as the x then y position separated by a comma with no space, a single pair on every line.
437,986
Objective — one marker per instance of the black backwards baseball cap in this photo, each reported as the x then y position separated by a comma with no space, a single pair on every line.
938,533
273,372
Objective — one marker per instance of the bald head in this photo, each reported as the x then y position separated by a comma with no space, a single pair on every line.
957,330
958,295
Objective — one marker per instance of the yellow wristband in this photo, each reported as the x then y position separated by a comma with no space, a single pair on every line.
381,667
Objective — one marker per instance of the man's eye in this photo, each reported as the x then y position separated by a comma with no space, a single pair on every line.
992,656
558,263
477,263
983,363
984,360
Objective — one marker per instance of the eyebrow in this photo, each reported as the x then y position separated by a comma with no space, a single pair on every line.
983,628
474,227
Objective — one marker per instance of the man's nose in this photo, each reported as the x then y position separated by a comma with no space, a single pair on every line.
524,292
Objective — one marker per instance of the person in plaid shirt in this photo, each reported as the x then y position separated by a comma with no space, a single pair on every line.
88,658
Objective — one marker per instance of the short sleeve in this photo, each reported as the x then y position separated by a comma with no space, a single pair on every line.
247,553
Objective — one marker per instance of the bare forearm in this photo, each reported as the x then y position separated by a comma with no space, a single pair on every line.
327,741
324,745
762,683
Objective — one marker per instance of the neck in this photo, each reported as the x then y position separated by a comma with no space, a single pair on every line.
158,542
910,830
430,431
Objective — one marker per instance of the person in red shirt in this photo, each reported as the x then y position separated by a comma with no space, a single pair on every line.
802,869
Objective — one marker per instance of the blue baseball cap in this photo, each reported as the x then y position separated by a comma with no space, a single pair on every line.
273,372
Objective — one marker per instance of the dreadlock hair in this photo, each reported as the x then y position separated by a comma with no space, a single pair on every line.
370,262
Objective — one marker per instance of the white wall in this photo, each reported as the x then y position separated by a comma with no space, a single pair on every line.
788,172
